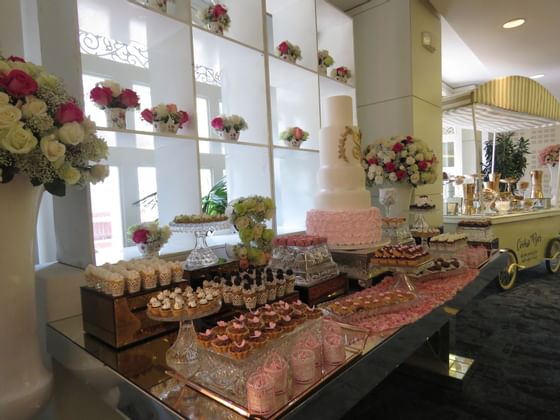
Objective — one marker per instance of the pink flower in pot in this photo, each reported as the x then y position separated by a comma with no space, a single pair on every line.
129,98
298,133
284,48
102,96
184,118
218,124
148,115
140,236
219,11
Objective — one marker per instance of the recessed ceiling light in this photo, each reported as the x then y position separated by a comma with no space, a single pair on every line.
536,76
514,23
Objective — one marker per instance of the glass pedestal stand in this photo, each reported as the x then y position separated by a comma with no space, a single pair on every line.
182,356
421,226
201,255
401,273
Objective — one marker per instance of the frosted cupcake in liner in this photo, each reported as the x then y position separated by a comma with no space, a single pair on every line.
226,291
280,286
262,294
249,296
148,275
178,307
177,271
333,350
205,338
260,394
165,275
237,294
154,306
277,367
290,281
271,288
91,281
116,284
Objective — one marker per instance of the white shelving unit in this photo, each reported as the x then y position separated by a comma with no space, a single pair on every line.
171,57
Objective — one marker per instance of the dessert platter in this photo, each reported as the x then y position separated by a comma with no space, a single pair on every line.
401,256
201,226
476,230
342,209
260,362
448,244
307,255
441,268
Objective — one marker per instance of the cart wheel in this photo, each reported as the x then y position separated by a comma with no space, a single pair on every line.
507,277
553,256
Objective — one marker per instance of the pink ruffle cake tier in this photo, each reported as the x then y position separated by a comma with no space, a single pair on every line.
346,227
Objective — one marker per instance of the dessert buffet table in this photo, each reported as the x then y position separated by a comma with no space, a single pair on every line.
136,376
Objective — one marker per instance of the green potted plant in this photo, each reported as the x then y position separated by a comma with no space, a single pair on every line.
510,157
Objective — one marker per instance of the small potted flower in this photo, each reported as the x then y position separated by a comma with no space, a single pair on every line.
149,237
325,61
159,5
165,118
110,97
342,74
216,18
294,136
229,127
288,52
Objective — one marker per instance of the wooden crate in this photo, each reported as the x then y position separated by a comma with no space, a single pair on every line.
326,290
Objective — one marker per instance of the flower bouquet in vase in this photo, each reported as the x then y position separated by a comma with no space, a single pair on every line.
110,97
341,74
288,52
294,136
401,163
229,127
249,215
325,61
46,143
216,18
549,157
149,237
165,118
159,5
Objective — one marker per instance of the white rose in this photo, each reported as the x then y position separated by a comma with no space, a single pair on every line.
404,153
52,148
99,172
419,157
71,133
410,160
88,126
4,99
9,116
379,170
235,120
34,107
18,140
412,148
392,177
379,180
414,178
114,86
386,160
161,111
69,174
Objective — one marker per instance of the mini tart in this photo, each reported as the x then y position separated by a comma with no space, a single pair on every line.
270,316
254,323
237,331
154,308
257,339
239,350
299,305
205,338
165,311
220,328
287,323
314,313
298,316
221,343
271,330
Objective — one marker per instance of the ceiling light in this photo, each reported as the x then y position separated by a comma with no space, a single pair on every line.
536,76
514,23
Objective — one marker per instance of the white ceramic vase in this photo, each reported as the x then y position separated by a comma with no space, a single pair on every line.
402,197
149,250
25,385
289,58
232,134
216,27
322,70
293,143
116,118
166,127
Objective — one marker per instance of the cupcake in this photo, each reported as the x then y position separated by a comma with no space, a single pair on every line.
254,323
154,307
314,312
237,294
165,309
205,338
226,291
192,307
272,330
286,323
203,305
237,331
257,339
270,316
178,307
280,286
271,288
165,275
249,296
262,294
239,350
221,343
220,327
290,281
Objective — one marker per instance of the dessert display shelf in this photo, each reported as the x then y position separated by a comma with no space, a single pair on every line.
183,355
224,379
201,255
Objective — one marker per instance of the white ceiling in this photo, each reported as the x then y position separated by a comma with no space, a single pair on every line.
476,25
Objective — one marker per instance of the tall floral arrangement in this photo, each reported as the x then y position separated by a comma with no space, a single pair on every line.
109,94
249,216
549,155
43,132
399,159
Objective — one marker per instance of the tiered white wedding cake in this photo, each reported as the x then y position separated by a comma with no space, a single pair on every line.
343,211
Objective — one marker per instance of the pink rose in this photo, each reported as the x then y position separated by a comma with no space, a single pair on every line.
283,47
390,167
341,70
171,107
397,147
101,95
69,112
15,58
184,118
422,165
140,236
147,115
400,174
219,11
18,83
298,133
372,161
129,98
218,123
409,139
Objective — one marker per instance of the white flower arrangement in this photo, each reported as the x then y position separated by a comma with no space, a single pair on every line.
399,160
44,135
287,49
227,123
324,58
149,233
